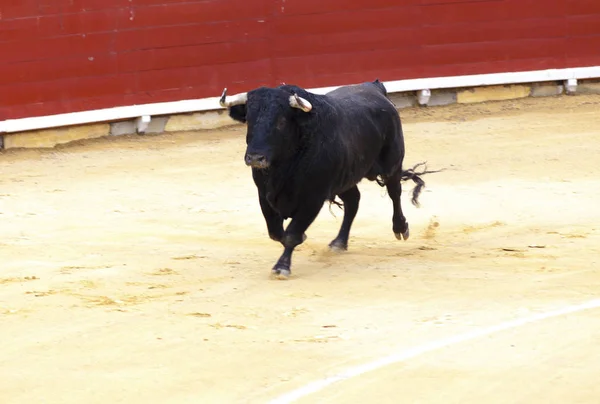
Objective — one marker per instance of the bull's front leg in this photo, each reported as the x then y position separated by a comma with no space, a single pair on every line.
272,218
294,236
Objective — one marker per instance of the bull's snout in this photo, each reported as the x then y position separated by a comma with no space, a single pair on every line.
256,160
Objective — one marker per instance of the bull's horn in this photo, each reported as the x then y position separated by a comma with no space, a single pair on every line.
237,99
300,103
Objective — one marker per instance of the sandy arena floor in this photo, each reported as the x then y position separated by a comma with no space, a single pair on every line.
136,270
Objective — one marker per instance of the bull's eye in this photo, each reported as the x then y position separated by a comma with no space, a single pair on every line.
281,121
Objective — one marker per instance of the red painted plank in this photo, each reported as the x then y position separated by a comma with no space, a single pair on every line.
493,51
76,6
317,65
340,78
583,7
22,28
363,20
583,46
536,49
434,2
493,31
304,7
63,106
50,48
582,25
466,13
138,3
354,41
216,76
29,93
194,13
559,62
57,25
584,61
459,69
86,104
464,53
532,9
483,67
185,35
519,65
78,23
54,69
18,9
188,93
199,55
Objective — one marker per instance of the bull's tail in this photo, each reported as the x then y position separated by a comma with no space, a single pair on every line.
413,174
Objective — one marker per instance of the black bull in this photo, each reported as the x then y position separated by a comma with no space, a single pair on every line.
306,149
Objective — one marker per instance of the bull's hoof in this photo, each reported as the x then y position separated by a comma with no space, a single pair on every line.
403,236
338,246
281,273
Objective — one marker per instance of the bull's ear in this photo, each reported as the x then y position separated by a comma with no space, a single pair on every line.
238,113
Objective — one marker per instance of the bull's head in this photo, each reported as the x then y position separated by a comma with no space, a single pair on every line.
272,116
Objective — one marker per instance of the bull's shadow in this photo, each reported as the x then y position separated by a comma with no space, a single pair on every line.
305,149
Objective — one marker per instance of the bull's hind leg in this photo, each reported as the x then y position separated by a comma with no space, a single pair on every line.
399,224
294,236
351,199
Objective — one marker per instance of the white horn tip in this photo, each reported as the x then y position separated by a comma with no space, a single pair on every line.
300,103
222,99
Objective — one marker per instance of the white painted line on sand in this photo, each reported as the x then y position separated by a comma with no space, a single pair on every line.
423,349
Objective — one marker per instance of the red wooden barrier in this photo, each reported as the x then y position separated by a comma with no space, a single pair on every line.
72,55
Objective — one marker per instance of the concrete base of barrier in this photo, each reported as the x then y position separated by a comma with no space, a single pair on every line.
546,89
218,119
51,137
589,87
